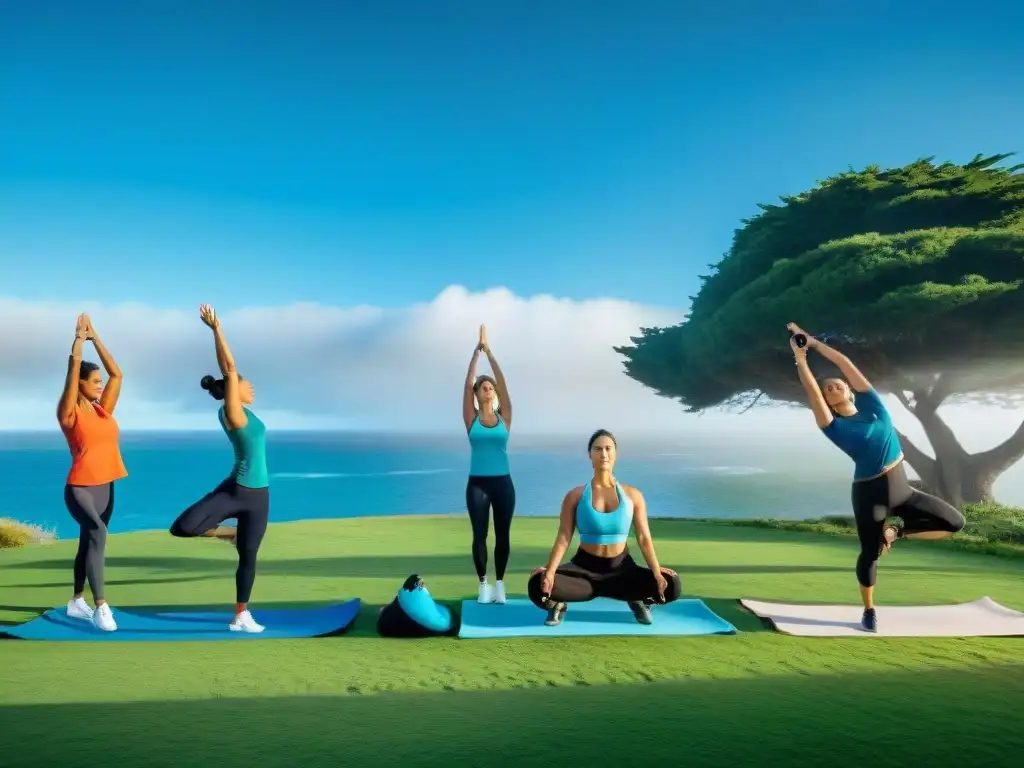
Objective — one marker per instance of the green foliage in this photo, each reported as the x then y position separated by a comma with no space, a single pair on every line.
995,523
991,528
911,271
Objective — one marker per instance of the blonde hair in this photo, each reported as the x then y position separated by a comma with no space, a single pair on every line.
850,397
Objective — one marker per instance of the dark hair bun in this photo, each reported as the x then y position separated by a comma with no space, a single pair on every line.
214,386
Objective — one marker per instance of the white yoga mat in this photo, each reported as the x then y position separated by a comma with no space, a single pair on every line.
982,618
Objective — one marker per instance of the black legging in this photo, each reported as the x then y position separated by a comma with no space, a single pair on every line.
482,494
875,500
250,506
587,576
91,506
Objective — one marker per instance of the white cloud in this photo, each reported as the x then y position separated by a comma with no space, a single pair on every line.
362,367
373,368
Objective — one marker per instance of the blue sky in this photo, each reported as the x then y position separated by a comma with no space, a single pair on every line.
344,153
409,157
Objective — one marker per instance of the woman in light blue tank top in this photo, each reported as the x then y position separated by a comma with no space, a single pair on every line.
489,486
245,493
603,511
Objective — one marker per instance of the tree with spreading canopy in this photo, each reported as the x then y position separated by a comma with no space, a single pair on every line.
915,273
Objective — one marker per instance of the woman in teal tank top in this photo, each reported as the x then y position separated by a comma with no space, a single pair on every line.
603,511
489,486
245,493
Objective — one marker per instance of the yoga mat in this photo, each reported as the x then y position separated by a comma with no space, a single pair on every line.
982,618
521,618
135,624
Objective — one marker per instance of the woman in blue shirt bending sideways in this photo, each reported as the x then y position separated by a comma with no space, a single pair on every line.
603,511
851,415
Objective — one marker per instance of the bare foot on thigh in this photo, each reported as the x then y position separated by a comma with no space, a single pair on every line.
889,534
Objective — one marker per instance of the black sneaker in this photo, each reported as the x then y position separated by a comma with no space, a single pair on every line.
868,620
555,613
641,611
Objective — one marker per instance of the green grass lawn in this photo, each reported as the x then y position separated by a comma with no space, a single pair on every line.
755,698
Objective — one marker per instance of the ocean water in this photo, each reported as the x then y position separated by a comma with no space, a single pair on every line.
330,475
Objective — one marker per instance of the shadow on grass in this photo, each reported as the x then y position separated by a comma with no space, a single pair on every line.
22,609
781,719
390,567
727,532
342,566
118,582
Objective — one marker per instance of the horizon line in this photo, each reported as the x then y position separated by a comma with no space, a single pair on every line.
321,430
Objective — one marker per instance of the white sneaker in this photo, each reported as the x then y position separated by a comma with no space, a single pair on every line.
486,594
499,592
79,609
244,622
103,618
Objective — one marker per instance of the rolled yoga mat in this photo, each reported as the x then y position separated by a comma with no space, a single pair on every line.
982,618
138,624
521,618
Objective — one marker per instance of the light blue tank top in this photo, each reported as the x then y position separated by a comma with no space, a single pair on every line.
604,527
250,444
488,449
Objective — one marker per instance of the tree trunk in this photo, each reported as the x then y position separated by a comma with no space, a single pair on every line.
955,475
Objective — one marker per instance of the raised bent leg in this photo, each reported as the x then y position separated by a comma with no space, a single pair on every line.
928,517
207,513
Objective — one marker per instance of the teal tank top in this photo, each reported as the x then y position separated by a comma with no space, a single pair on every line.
868,437
604,527
488,449
250,444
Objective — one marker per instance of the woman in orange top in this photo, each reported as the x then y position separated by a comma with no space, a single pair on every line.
86,418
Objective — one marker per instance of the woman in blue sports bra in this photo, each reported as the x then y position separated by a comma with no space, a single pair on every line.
603,511
489,486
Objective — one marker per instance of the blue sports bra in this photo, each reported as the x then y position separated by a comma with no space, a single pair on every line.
604,527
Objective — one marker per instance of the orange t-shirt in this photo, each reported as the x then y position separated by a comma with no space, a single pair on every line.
95,453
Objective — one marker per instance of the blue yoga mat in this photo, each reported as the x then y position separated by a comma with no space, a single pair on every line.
521,618
137,624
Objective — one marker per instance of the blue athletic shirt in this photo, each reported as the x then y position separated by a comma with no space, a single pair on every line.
868,437
488,449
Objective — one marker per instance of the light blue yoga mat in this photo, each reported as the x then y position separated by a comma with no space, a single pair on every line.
521,618
135,624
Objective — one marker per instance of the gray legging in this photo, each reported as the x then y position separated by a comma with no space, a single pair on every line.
91,506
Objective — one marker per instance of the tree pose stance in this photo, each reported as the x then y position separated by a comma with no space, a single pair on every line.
851,414
245,493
